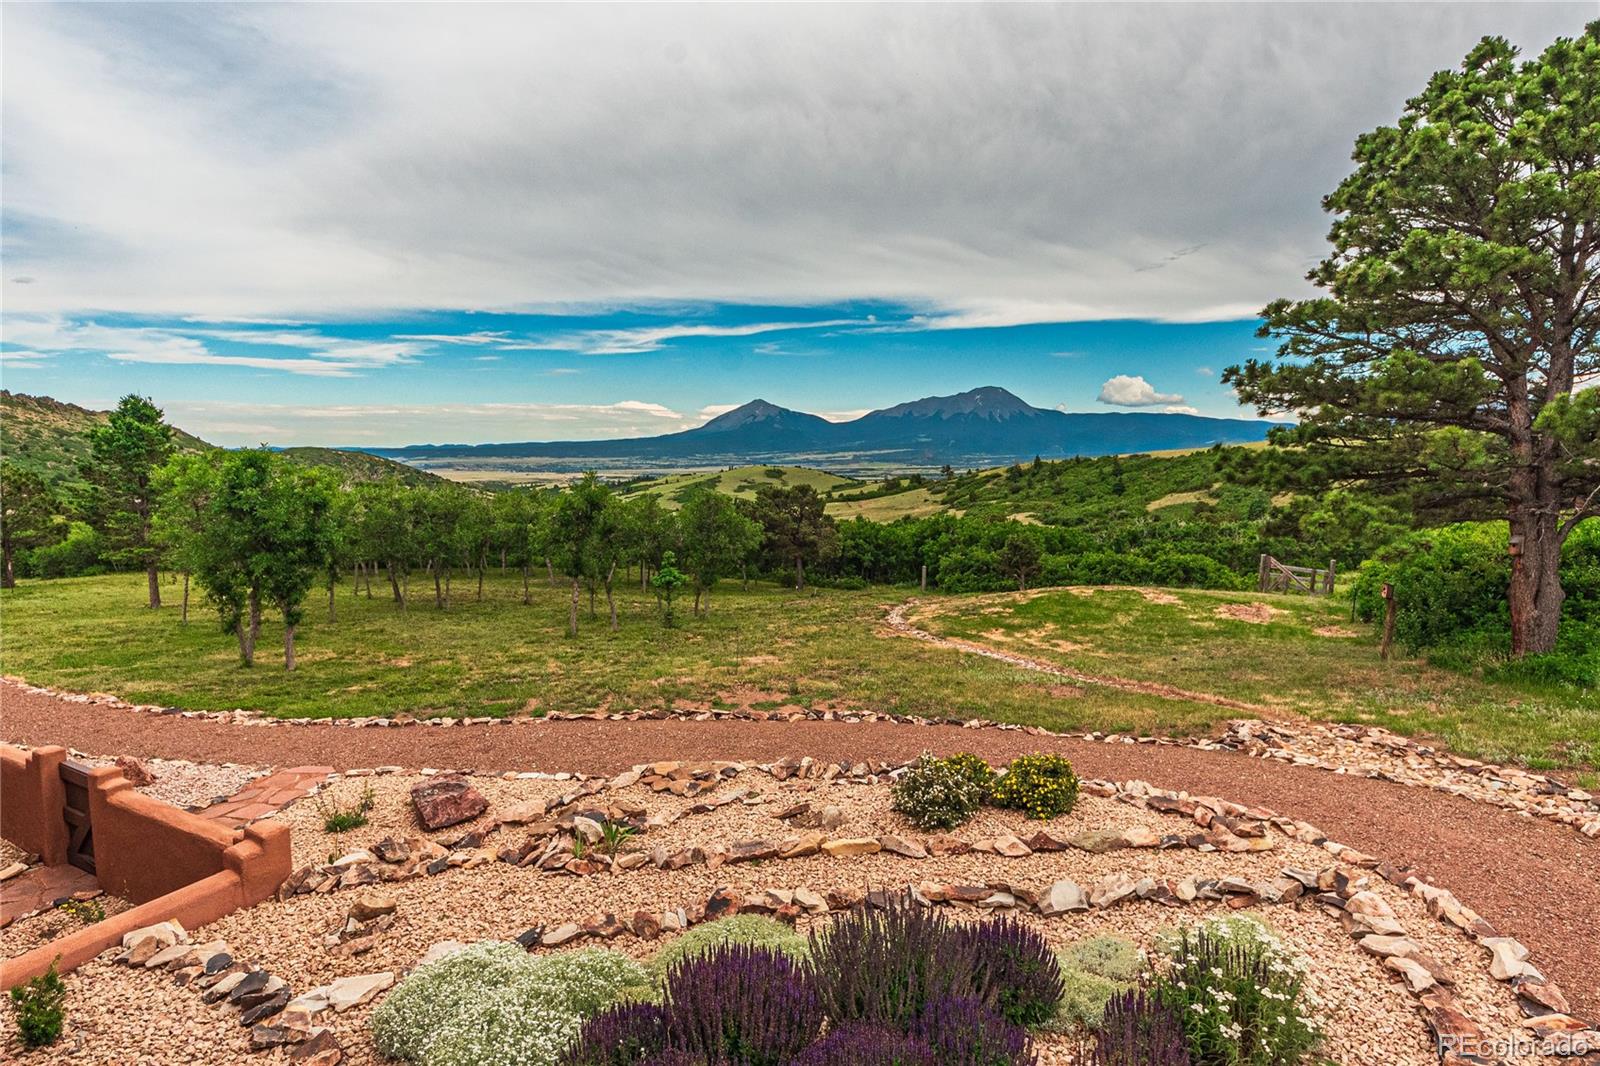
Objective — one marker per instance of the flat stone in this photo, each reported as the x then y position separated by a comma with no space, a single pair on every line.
561,934
1112,890
265,1008
1416,976
752,851
847,846
321,1050
1509,958
800,846
1062,897
446,801
142,945
811,901
1098,841
370,905
1386,946
908,849
349,992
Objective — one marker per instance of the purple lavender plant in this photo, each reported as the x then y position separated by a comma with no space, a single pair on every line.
741,1005
882,966
1013,970
1138,1030
860,1044
619,1036
962,1031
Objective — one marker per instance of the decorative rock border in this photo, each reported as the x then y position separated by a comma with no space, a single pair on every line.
1368,751
1340,890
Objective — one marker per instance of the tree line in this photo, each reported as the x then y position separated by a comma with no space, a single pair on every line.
258,532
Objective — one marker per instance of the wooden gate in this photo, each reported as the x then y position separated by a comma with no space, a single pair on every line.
80,842
1274,576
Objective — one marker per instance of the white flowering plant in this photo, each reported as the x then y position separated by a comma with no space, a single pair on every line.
492,1004
941,793
1239,993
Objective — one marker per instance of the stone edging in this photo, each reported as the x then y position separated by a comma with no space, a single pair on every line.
1367,751
1230,827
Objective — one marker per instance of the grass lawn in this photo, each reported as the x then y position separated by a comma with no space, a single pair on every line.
767,647
1188,639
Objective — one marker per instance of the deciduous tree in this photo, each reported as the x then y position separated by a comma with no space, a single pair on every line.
124,455
1461,319
714,539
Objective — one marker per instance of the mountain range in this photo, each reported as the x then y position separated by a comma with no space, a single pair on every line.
982,427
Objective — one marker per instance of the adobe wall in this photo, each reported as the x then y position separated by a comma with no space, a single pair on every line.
174,865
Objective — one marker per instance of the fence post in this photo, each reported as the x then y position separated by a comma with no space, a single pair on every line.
1388,620
924,577
1331,564
1261,574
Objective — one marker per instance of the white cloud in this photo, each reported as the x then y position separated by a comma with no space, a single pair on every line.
331,356
712,410
1180,409
651,338
998,164
388,425
1126,390
20,359
1205,371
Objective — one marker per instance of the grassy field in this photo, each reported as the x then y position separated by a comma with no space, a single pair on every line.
741,481
769,647
1299,656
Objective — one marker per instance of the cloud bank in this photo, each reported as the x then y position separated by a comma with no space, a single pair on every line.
991,164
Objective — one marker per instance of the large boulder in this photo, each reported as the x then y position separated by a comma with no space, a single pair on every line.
446,801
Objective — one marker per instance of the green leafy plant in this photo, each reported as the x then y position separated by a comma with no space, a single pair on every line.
37,1006
87,911
939,793
1043,786
668,580
1106,956
340,818
614,837
752,930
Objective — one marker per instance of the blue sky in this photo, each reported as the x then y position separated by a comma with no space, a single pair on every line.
477,377
385,224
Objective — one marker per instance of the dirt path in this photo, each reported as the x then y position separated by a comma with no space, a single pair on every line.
899,624
1533,879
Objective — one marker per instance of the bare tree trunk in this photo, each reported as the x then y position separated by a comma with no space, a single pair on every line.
153,573
8,575
697,591
591,599
449,571
572,611
394,583
288,647
527,597
1535,592
611,603
249,628
799,572
551,571
373,566
185,618
502,560
1388,621
438,589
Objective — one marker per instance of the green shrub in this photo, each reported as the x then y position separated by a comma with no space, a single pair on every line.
1106,956
974,768
37,1006
339,818
1239,995
1083,1000
1044,786
750,929
941,793
494,1004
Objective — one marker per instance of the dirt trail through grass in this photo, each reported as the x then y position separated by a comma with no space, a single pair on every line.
899,624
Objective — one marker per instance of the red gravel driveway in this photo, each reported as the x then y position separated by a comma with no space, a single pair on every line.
1535,880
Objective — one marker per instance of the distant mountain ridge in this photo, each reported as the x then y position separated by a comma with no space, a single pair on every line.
984,426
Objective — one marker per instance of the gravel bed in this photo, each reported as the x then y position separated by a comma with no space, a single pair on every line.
1369,1017
188,784
10,853
28,933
